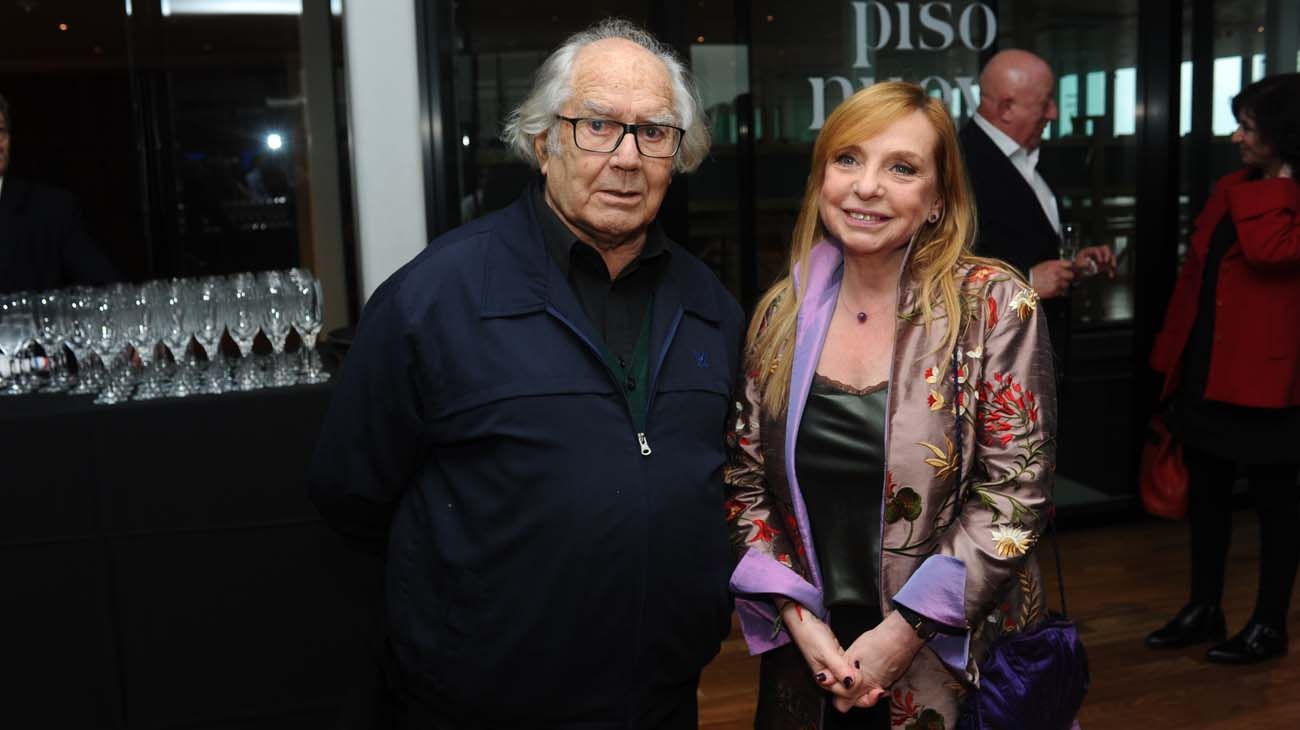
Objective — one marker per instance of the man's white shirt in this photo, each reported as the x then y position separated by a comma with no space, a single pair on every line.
1026,163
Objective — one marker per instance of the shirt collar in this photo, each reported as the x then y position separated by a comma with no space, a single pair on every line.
560,240
1009,147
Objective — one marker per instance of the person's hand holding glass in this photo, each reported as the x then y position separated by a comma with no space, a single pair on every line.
1088,261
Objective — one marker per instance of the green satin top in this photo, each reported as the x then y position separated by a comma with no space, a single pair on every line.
840,464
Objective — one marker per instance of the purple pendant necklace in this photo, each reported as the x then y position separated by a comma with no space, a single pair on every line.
861,316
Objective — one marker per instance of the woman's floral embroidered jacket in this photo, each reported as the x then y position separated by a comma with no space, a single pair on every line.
958,553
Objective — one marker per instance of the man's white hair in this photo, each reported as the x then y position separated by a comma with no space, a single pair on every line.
554,84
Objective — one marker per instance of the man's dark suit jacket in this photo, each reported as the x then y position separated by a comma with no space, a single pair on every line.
43,244
1012,224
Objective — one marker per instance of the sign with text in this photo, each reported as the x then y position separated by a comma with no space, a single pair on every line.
894,28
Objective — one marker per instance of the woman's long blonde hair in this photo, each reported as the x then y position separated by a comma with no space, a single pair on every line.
937,250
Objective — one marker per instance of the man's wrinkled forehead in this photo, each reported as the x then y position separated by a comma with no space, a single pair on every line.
609,71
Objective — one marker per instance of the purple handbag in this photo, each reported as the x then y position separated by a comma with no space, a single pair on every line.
1032,680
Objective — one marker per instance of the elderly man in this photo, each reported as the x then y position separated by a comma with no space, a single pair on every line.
1019,218
530,424
42,242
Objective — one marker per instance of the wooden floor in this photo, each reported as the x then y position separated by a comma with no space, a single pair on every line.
1122,582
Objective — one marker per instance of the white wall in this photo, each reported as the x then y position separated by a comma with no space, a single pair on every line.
384,116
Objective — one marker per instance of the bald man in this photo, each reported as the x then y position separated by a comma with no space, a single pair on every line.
1019,217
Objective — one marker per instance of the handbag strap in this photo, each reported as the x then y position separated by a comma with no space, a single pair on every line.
1060,574
957,504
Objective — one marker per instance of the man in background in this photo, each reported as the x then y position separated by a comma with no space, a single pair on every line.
1019,215
43,244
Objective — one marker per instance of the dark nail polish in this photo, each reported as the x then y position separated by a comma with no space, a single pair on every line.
821,676
848,682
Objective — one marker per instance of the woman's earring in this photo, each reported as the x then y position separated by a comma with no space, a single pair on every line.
933,217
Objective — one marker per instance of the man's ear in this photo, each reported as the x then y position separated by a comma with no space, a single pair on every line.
539,149
1004,107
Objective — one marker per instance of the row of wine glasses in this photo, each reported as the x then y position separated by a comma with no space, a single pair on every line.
138,341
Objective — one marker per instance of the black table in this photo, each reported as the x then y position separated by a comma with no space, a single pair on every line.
161,566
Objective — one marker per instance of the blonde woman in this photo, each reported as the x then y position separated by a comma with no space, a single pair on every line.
888,361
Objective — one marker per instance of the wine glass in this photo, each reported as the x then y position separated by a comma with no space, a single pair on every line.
51,331
308,319
242,321
77,306
203,318
277,318
112,318
1068,246
169,310
138,319
17,331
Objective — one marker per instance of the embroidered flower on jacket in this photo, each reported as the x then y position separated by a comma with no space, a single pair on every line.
1011,542
935,400
734,509
763,532
993,312
962,398
905,505
1008,410
932,375
1024,303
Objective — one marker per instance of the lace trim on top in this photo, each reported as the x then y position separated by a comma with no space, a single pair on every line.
834,384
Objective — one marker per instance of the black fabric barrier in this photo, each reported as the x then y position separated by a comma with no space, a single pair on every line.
161,566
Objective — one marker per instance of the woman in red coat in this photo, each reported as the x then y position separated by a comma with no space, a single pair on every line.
1230,353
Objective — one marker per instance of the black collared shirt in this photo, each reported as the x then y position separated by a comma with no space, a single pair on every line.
616,308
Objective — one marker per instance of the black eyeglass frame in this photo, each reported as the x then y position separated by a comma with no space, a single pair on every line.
681,134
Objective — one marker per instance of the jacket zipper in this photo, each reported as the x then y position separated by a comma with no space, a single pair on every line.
643,443
654,376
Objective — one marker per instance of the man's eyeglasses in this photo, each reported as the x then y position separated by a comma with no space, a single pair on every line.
605,135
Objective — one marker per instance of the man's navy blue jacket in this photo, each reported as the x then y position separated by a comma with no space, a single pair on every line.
43,244
540,567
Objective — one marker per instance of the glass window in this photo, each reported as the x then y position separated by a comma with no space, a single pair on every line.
1125,101
1184,98
180,125
803,64
1068,106
1227,83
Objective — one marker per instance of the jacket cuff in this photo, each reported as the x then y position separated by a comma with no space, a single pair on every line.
937,591
755,580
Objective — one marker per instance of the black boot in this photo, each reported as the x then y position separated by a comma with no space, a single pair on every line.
1195,623
1256,643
